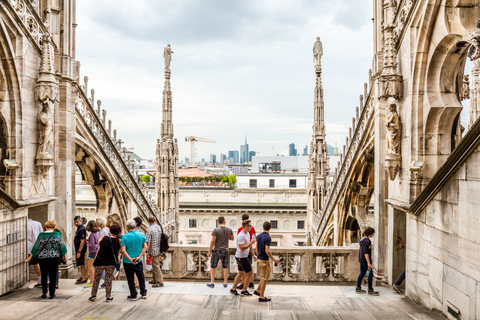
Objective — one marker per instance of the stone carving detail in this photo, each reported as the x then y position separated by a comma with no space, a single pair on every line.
475,93
474,51
401,19
390,80
167,182
46,93
393,126
393,157
318,158
36,28
465,94
167,56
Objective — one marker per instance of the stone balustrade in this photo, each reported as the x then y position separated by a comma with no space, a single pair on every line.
297,264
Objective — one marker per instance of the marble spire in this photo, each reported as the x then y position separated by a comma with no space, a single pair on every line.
167,181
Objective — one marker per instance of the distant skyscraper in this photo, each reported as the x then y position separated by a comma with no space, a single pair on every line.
213,158
223,157
305,151
203,160
291,149
244,153
233,156
251,154
187,160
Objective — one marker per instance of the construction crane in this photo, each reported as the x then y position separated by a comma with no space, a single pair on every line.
192,140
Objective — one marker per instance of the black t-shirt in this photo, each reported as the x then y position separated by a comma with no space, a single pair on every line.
80,234
105,255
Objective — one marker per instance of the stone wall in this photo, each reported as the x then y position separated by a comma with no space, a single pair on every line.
443,245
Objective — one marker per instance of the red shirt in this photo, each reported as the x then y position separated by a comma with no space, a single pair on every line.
252,231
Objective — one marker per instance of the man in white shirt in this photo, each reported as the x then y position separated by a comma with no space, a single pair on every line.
34,228
241,255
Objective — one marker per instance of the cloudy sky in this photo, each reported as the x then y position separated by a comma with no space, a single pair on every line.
239,68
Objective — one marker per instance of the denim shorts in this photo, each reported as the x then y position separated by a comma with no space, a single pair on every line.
91,255
219,254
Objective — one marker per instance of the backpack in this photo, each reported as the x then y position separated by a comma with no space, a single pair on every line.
163,241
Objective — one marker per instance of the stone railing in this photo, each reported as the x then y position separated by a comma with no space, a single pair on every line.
299,264
31,21
361,123
95,121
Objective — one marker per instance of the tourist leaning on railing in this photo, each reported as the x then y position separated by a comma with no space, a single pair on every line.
49,249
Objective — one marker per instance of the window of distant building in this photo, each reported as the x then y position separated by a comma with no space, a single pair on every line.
253,183
192,223
300,244
274,244
274,224
271,183
273,167
300,224
292,183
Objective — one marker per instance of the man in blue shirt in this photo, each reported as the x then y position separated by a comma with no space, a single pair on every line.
263,246
134,246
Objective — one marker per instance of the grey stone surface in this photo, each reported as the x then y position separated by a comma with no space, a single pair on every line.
181,301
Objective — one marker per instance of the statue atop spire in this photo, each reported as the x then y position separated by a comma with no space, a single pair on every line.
167,56
318,53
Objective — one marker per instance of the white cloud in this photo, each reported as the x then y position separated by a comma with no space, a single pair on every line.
239,67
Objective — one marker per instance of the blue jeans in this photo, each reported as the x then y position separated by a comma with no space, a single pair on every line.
363,270
400,279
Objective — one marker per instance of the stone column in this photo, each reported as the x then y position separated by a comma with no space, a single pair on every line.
65,129
381,185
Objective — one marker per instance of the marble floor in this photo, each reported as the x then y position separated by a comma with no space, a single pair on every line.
194,300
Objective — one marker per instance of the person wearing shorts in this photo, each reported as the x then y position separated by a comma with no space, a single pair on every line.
263,246
219,251
252,234
241,255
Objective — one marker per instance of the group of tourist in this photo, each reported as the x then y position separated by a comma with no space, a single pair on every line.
246,252
107,247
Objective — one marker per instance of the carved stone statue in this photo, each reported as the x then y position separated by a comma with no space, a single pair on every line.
317,51
167,55
46,130
393,126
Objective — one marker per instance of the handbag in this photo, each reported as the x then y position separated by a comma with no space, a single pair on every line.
35,259
117,262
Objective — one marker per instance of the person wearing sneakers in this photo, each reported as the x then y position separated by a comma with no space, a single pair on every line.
365,259
252,234
241,255
80,248
263,246
219,244
92,243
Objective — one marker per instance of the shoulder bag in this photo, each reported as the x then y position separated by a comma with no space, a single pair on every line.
117,262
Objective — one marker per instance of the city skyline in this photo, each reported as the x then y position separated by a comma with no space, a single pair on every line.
251,72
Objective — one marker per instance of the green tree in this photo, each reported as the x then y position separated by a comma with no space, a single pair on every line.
232,179
146,178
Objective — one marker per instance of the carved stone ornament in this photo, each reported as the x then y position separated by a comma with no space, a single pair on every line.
390,80
393,157
46,92
474,51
